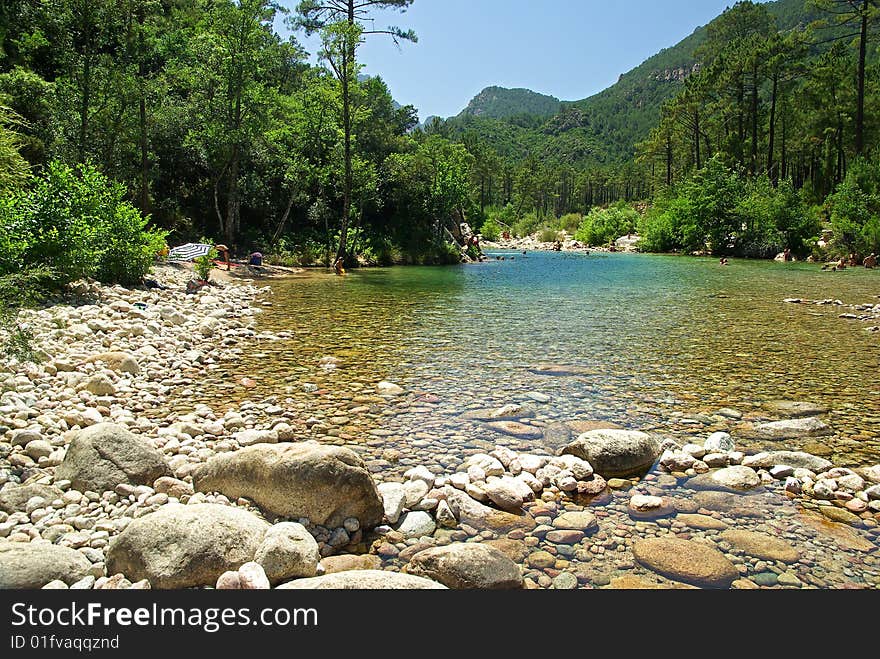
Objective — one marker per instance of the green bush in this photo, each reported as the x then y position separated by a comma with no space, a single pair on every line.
548,235
855,210
571,222
491,230
603,226
76,223
526,226
129,247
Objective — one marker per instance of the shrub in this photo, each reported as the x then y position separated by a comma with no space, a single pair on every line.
204,264
571,222
491,230
129,247
76,223
603,226
855,210
548,235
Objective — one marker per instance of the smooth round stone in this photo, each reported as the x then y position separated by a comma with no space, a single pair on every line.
577,521
760,545
836,514
565,537
701,522
541,560
766,579
565,581
687,561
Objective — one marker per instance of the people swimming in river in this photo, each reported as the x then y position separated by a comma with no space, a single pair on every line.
871,261
339,266
724,261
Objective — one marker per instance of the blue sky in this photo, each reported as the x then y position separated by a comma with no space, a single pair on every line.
570,49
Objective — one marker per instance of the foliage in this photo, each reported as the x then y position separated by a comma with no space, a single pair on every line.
855,210
14,169
725,212
491,230
603,226
76,223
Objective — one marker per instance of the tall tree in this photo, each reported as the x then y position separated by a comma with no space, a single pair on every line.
860,18
340,49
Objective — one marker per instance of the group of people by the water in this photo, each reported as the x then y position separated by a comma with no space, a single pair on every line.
852,261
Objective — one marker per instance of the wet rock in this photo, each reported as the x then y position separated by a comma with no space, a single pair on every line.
761,545
389,389
467,567
185,546
616,453
686,560
31,565
556,436
577,521
515,429
795,459
792,429
102,456
364,580
840,515
325,484
649,507
796,409
506,413
701,522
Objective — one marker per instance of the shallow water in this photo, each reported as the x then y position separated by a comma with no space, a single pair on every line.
661,341
659,344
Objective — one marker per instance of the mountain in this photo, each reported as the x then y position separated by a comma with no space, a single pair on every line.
604,128
501,103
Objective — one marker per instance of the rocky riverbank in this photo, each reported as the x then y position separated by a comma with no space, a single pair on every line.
107,483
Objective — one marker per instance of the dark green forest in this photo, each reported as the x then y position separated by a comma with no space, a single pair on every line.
198,120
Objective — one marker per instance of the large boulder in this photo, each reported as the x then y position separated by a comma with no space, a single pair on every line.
687,561
364,580
185,546
15,497
326,484
31,565
105,455
288,551
467,566
616,453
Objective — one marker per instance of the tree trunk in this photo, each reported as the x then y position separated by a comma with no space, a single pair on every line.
348,62
85,103
232,201
697,139
771,168
144,193
860,112
754,165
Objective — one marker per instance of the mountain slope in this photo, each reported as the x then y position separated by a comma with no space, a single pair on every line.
501,103
603,128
